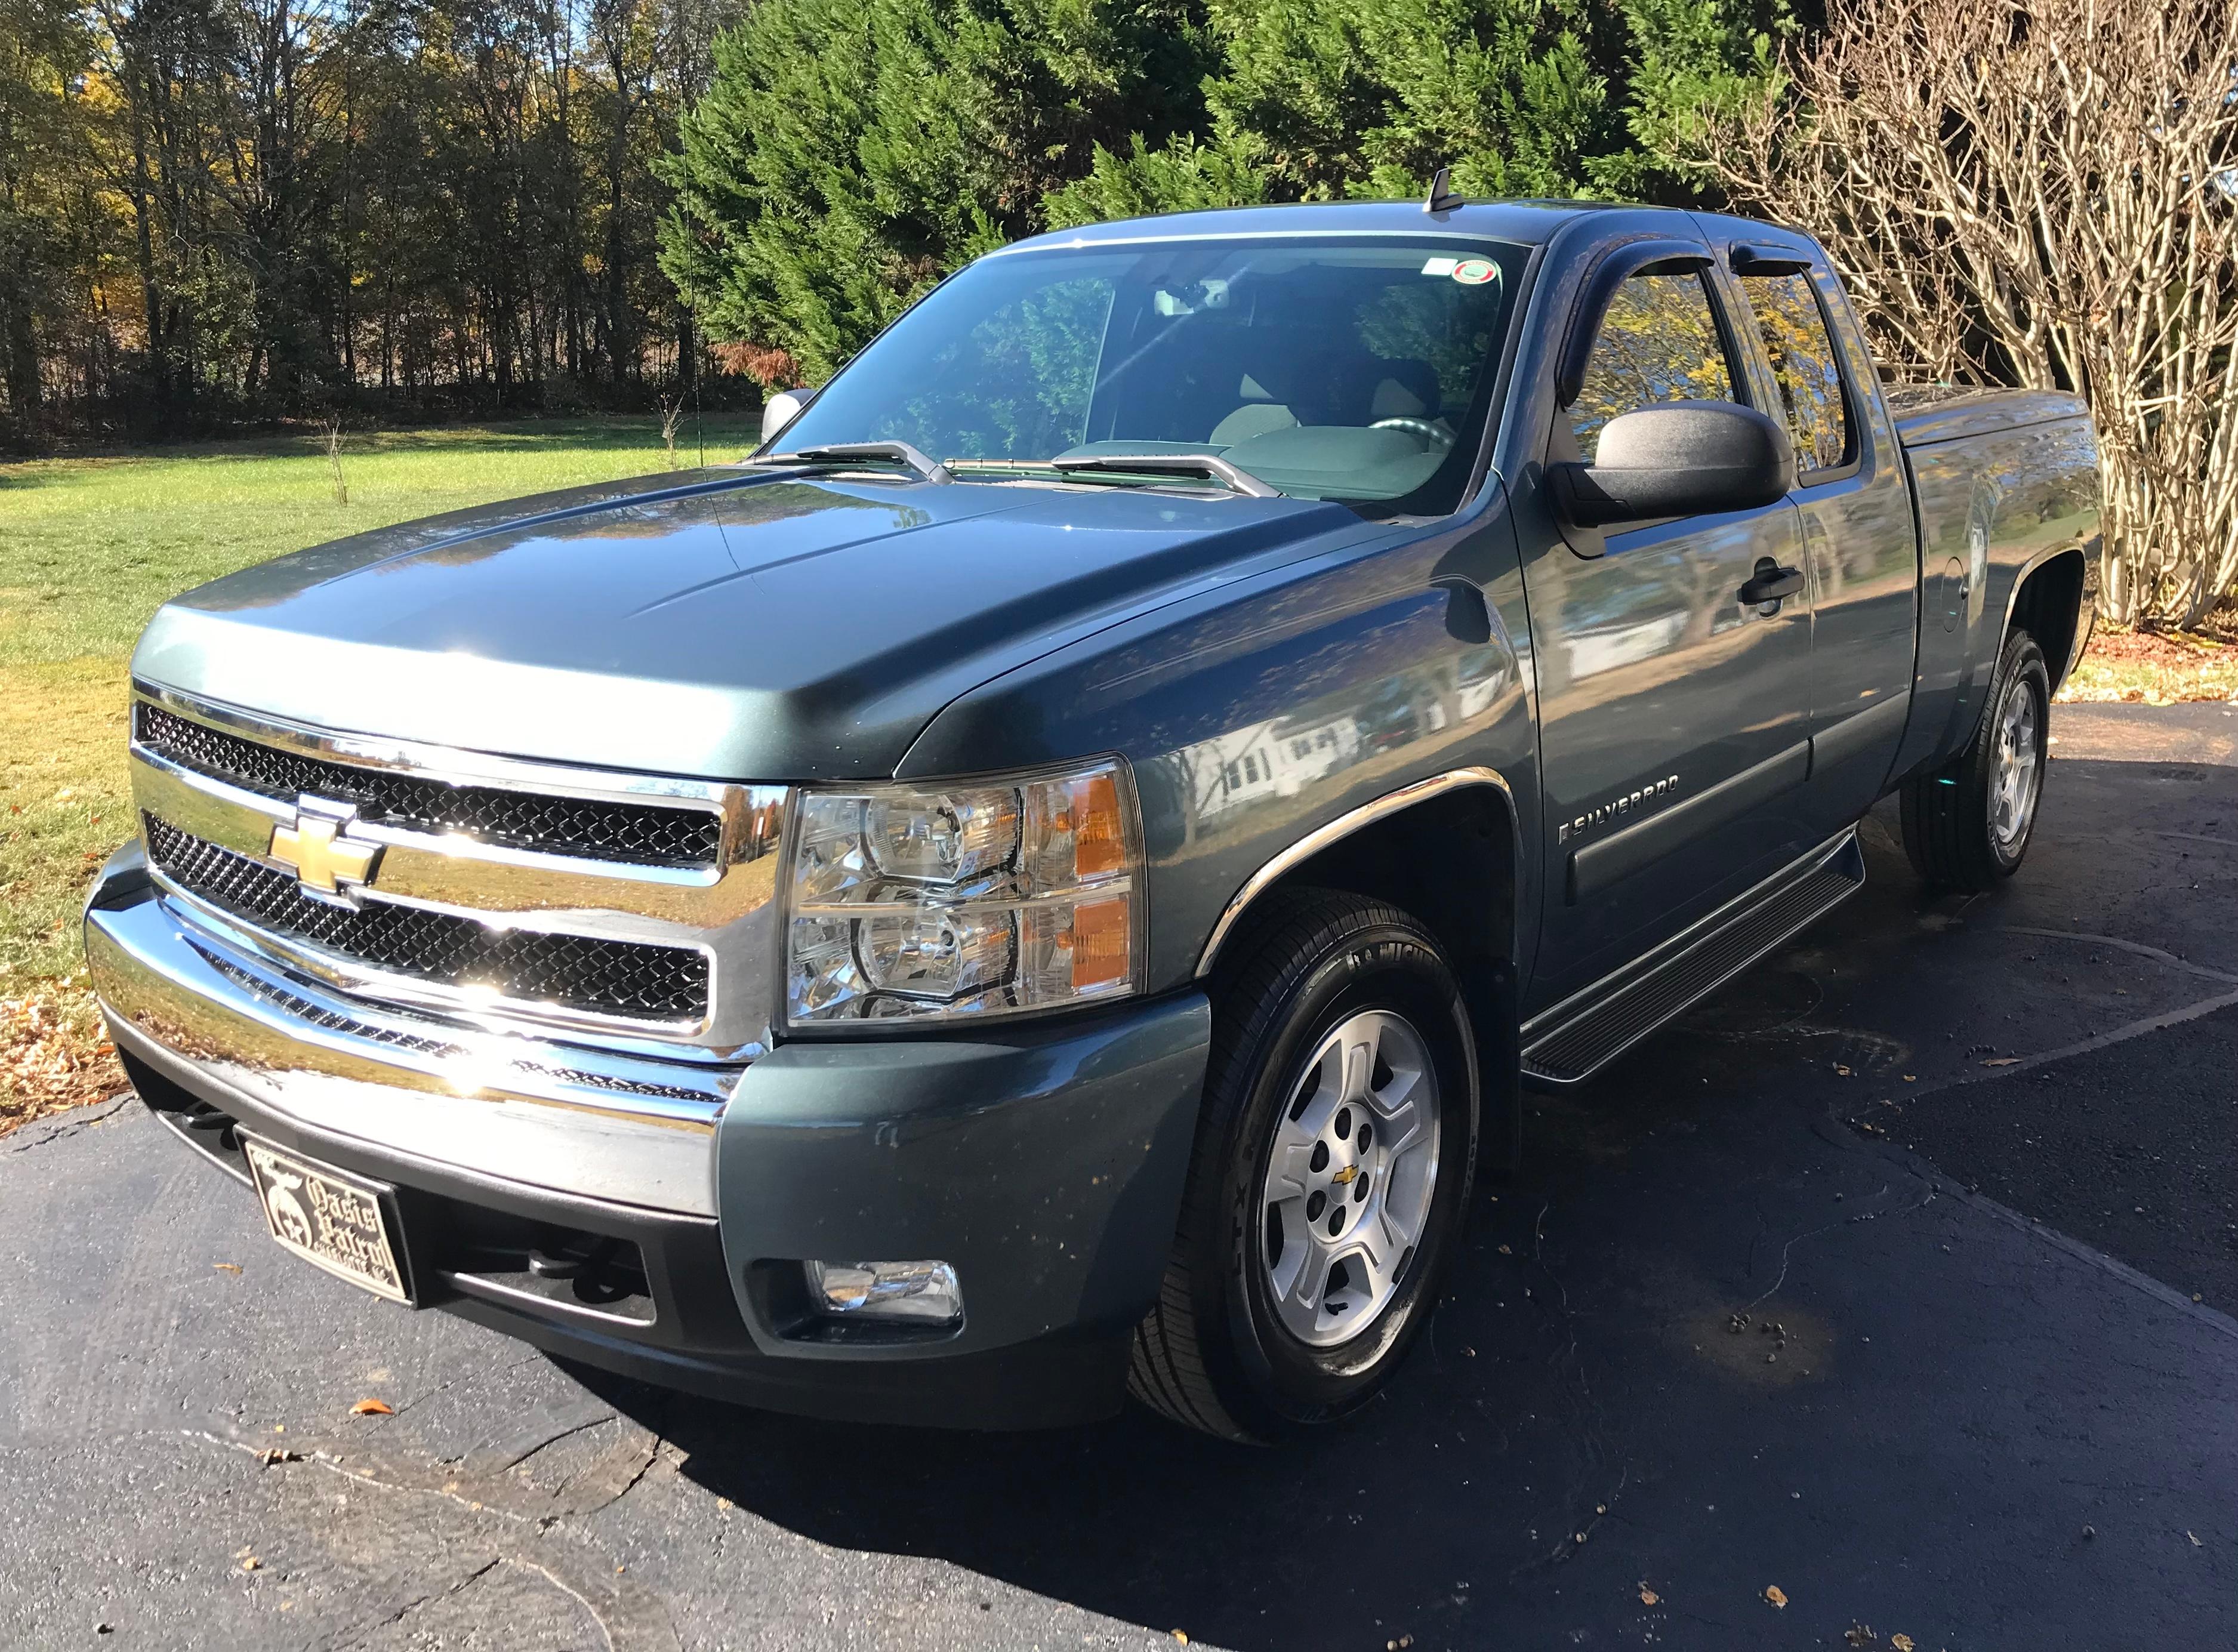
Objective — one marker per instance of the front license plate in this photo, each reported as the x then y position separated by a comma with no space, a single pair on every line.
339,1221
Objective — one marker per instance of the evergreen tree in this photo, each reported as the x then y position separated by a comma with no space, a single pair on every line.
849,153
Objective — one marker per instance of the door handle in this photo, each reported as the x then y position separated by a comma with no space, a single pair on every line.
1770,583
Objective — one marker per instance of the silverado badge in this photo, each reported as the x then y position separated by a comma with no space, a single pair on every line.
324,862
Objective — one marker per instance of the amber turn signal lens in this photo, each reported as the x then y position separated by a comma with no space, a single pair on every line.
1103,943
1099,830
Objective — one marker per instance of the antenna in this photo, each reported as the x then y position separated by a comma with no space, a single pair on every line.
1441,197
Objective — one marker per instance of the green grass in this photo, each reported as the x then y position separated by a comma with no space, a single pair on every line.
90,547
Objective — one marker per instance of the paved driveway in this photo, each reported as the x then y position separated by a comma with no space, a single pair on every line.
1937,1417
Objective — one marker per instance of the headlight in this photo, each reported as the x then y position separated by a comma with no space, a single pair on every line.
997,897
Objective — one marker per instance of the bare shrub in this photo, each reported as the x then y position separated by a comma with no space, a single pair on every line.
2040,193
672,419
333,438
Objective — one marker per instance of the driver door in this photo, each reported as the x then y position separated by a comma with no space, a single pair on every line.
1674,719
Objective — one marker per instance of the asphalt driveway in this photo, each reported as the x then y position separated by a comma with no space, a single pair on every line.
1746,1324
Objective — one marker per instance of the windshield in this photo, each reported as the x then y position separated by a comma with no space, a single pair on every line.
1351,368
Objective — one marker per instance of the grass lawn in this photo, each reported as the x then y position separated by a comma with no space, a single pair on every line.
89,548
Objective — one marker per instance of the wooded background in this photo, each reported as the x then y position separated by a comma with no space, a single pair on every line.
225,212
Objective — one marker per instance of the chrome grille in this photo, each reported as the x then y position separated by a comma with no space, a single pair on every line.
643,833
579,971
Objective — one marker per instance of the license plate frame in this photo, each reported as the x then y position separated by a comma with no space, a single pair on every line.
332,1219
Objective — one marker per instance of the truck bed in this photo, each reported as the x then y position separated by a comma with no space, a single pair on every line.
1926,413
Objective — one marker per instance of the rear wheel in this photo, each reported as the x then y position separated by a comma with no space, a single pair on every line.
1334,1158
1966,826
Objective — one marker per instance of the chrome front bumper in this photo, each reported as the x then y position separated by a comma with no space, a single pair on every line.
538,1113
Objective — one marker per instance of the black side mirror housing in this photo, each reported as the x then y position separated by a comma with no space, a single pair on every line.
1677,459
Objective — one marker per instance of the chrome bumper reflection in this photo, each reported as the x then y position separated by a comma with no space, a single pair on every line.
544,1115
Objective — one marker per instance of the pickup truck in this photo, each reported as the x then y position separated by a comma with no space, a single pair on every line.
1051,878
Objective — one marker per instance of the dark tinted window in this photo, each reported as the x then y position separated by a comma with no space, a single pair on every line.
1795,337
1658,343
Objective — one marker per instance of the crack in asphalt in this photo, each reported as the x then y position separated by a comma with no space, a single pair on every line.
1851,1219
58,1132
2173,960
2138,1028
1591,1437
413,1605
631,1617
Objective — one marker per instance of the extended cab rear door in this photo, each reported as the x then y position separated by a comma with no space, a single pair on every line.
1674,718
1809,358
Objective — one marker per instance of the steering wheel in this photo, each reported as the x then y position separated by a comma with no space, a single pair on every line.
1436,434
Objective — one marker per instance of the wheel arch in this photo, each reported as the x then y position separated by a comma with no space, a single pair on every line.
1401,848
2048,603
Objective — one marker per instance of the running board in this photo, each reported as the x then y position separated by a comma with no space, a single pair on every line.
1579,1035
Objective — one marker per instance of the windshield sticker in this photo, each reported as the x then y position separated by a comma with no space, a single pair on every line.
1474,272
1439,266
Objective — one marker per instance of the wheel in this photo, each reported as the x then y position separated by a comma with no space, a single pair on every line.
1335,1152
1966,825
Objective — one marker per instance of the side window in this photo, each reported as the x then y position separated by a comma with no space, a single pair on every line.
1658,343
1801,352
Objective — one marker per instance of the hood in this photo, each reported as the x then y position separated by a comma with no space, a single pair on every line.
716,624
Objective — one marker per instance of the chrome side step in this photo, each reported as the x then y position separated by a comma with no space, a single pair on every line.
1579,1035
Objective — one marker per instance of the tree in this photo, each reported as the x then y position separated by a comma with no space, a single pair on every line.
2043,194
849,153
1326,99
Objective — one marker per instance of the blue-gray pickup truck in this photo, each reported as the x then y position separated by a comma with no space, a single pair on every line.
1048,879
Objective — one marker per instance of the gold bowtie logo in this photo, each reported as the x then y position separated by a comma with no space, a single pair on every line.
1346,1177
319,856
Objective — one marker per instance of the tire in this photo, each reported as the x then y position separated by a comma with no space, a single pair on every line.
1967,825
1240,1344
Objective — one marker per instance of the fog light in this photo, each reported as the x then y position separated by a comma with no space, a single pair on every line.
918,1291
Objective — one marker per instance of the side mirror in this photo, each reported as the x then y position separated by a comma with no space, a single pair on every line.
1679,459
781,410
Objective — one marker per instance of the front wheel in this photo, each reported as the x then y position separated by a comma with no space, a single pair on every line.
1333,1159
1966,825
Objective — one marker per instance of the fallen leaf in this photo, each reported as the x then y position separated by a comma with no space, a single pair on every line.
1901,1642
1777,1596
1182,1635
279,1454
226,1267
1860,1634
1504,1251
1648,1596
2002,1061
1911,1078
1841,1070
373,1408
251,1564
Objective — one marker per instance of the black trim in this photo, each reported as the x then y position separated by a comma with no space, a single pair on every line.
1597,865
1854,735
1853,430
1616,267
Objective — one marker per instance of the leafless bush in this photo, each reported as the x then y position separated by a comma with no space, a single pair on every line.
671,421
334,429
2042,193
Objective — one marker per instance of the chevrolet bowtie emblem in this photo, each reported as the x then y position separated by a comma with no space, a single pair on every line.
1346,1177
321,858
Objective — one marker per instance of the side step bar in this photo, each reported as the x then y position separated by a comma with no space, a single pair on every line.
1579,1035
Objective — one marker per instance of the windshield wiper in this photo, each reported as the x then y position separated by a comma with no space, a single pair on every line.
851,453
1139,464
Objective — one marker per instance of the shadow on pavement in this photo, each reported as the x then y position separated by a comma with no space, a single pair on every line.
1716,1339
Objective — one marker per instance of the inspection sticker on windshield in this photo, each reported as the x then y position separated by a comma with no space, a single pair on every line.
1474,272
1439,266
